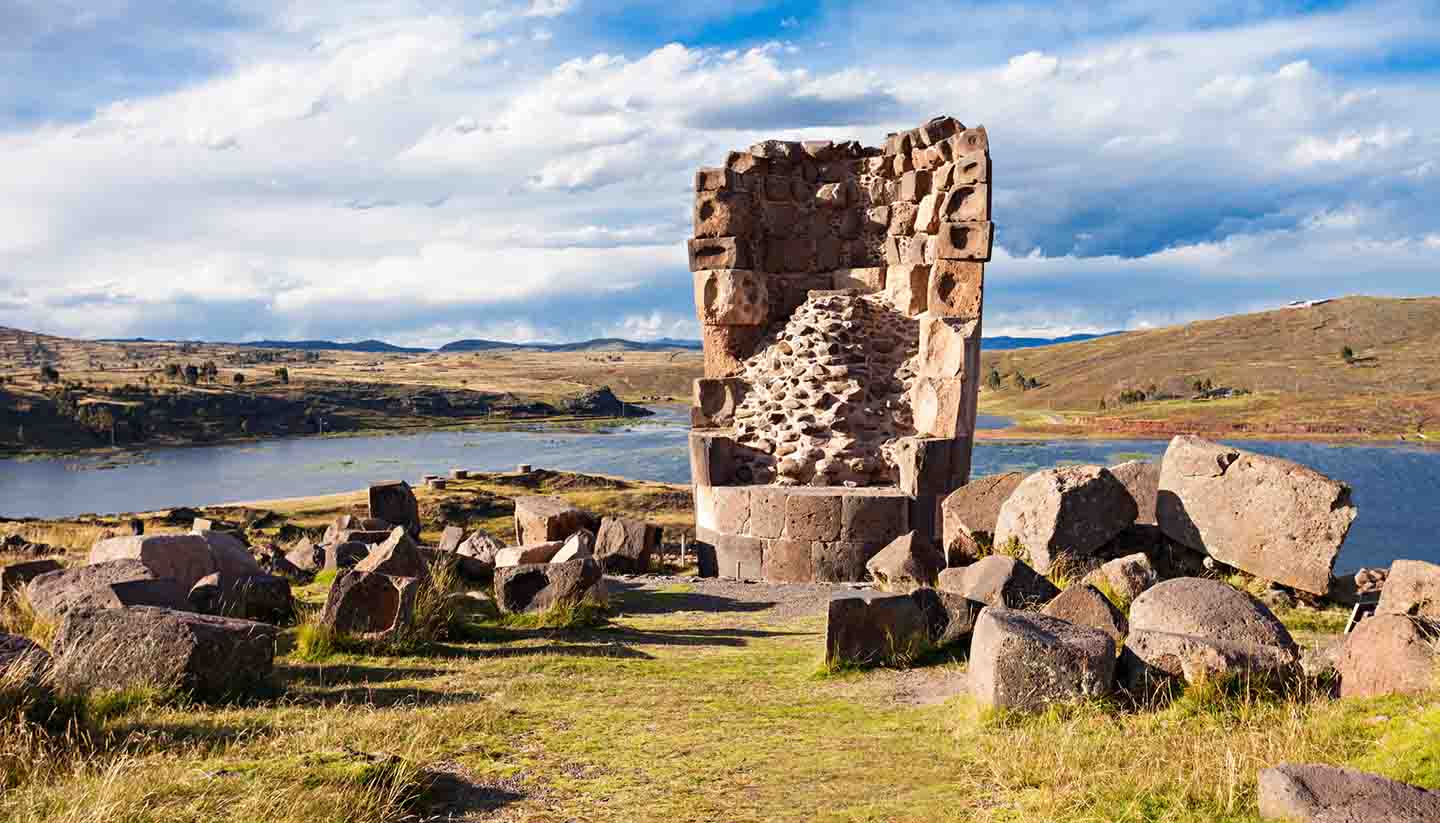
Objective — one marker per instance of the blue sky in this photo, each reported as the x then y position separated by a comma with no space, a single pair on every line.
519,169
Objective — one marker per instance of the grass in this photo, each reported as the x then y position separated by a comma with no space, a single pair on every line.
18,616
715,715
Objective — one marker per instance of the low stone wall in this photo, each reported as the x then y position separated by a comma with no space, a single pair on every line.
799,534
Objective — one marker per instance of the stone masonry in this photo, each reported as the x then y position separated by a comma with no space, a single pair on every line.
840,291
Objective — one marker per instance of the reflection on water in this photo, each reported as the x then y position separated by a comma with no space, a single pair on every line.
1396,488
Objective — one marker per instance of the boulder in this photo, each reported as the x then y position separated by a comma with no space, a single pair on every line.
540,519
1069,511
909,562
968,516
999,581
395,503
110,585
1128,577
184,558
481,547
1273,518
579,545
1329,794
626,546
1141,479
1026,661
342,523
165,649
232,556
15,576
450,539
373,606
262,597
1192,629
306,557
1390,654
398,557
949,618
873,629
1085,606
526,555
345,555
1412,587
538,587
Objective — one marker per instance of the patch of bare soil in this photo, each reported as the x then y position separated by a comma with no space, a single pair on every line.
657,594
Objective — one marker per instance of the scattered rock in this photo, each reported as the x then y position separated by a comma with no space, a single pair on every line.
579,545
873,629
909,562
540,519
1026,661
1142,479
537,587
626,546
450,539
969,514
264,598
949,617
1072,510
164,649
398,557
102,586
395,503
1328,794
345,555
232,556
1273,518
526,555
1413,588
1390,654
184,558
482,548
1128,577
999,581
373,606
1085,606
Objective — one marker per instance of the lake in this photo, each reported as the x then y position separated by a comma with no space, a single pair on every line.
1397,488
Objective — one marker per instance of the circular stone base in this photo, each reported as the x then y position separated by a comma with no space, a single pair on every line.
797,534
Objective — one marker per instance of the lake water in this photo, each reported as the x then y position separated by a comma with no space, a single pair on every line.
1396,487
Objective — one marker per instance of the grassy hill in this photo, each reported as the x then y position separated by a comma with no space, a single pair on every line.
1287,365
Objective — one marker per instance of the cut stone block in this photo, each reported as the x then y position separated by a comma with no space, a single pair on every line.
970,168
880,516
398,556
907,563
719,253
949,618
1025,661
577,546
969,203
870,629
394,502
739,557
450,539
512,556
1129,576
868,280
746,163
540,587
1142,479
914,186
927,216
1273,518
727,348
542,519
375,606
906,286
841,561
957,290
939,407
184,558
767,511
711,459
1390,654
723,214
1084,605
932,466
715,179
717,399
626,546
731,297
788,561
812,516
965,241
732,509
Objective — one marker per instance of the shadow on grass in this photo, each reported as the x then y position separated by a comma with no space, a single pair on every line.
324,674
630,598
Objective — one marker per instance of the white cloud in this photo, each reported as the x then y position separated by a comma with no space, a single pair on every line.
551,8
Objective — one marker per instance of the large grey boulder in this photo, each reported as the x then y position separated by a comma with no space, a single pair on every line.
110,585
1390,654
873,629
395,503
164,649
373,606
577,546
968,516
1329,794
1128,577
481,548
1141,479
398,556
184,558
1193,629
537,587
908,562
525,555
541,519
1026,661
1413,588
1069,511
1270,517
260,597
626,546
1084,605
232,556
999,581
949,617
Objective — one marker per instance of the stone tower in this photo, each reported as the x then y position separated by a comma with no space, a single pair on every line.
839,290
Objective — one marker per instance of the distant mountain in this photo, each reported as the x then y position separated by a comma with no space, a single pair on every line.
1012,343
598,344
367,346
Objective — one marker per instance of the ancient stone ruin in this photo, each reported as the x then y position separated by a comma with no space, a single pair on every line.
840,290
